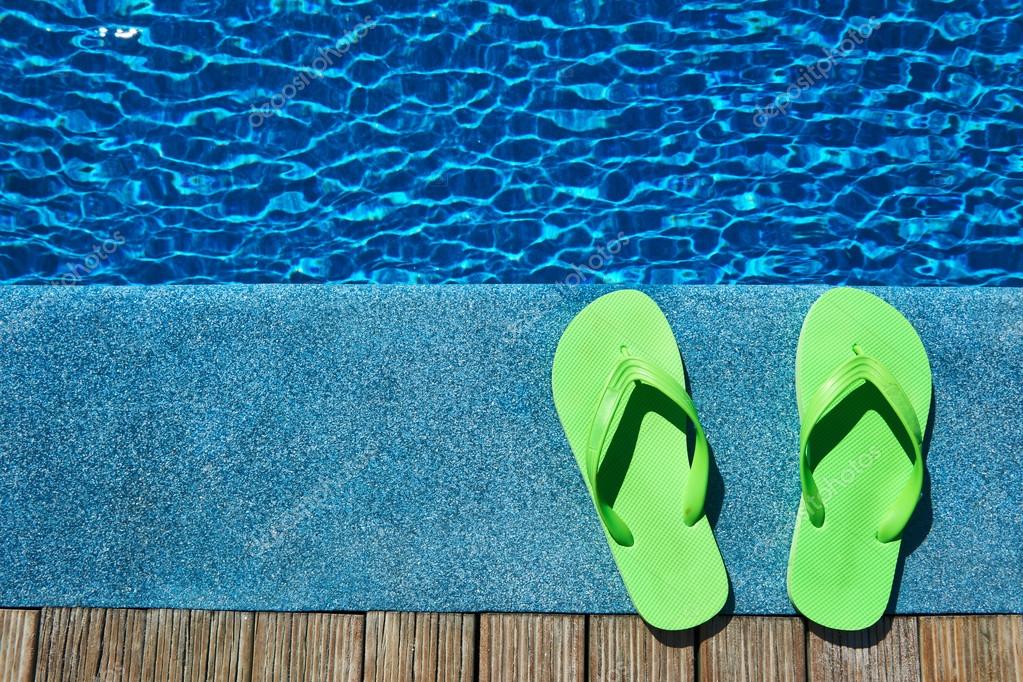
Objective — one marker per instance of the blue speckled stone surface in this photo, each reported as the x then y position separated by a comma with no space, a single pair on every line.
316,447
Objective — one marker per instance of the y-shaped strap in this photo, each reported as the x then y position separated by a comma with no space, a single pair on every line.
633,370
847,377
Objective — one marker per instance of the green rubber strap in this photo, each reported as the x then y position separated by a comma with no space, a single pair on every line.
850,375
633,370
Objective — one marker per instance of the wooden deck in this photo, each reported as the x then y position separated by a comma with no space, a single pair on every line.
104,645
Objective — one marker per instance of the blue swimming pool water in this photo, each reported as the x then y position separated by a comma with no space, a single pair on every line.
144,141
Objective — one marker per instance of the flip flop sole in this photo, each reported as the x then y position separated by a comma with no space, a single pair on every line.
840,575
673,573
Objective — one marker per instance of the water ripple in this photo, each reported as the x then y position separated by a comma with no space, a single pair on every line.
509,142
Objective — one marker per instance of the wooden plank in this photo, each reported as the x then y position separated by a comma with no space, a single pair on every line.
544,648
162,641
69,644
971,648
625,648
307,646
887,651
271,646
18,644
388,646
123,639
106,645
229,653
420,646
196,645
456,650
752,648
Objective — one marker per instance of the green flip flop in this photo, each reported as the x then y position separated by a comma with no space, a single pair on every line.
863,387
619,388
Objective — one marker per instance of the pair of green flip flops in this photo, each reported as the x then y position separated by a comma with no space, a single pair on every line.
863,387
